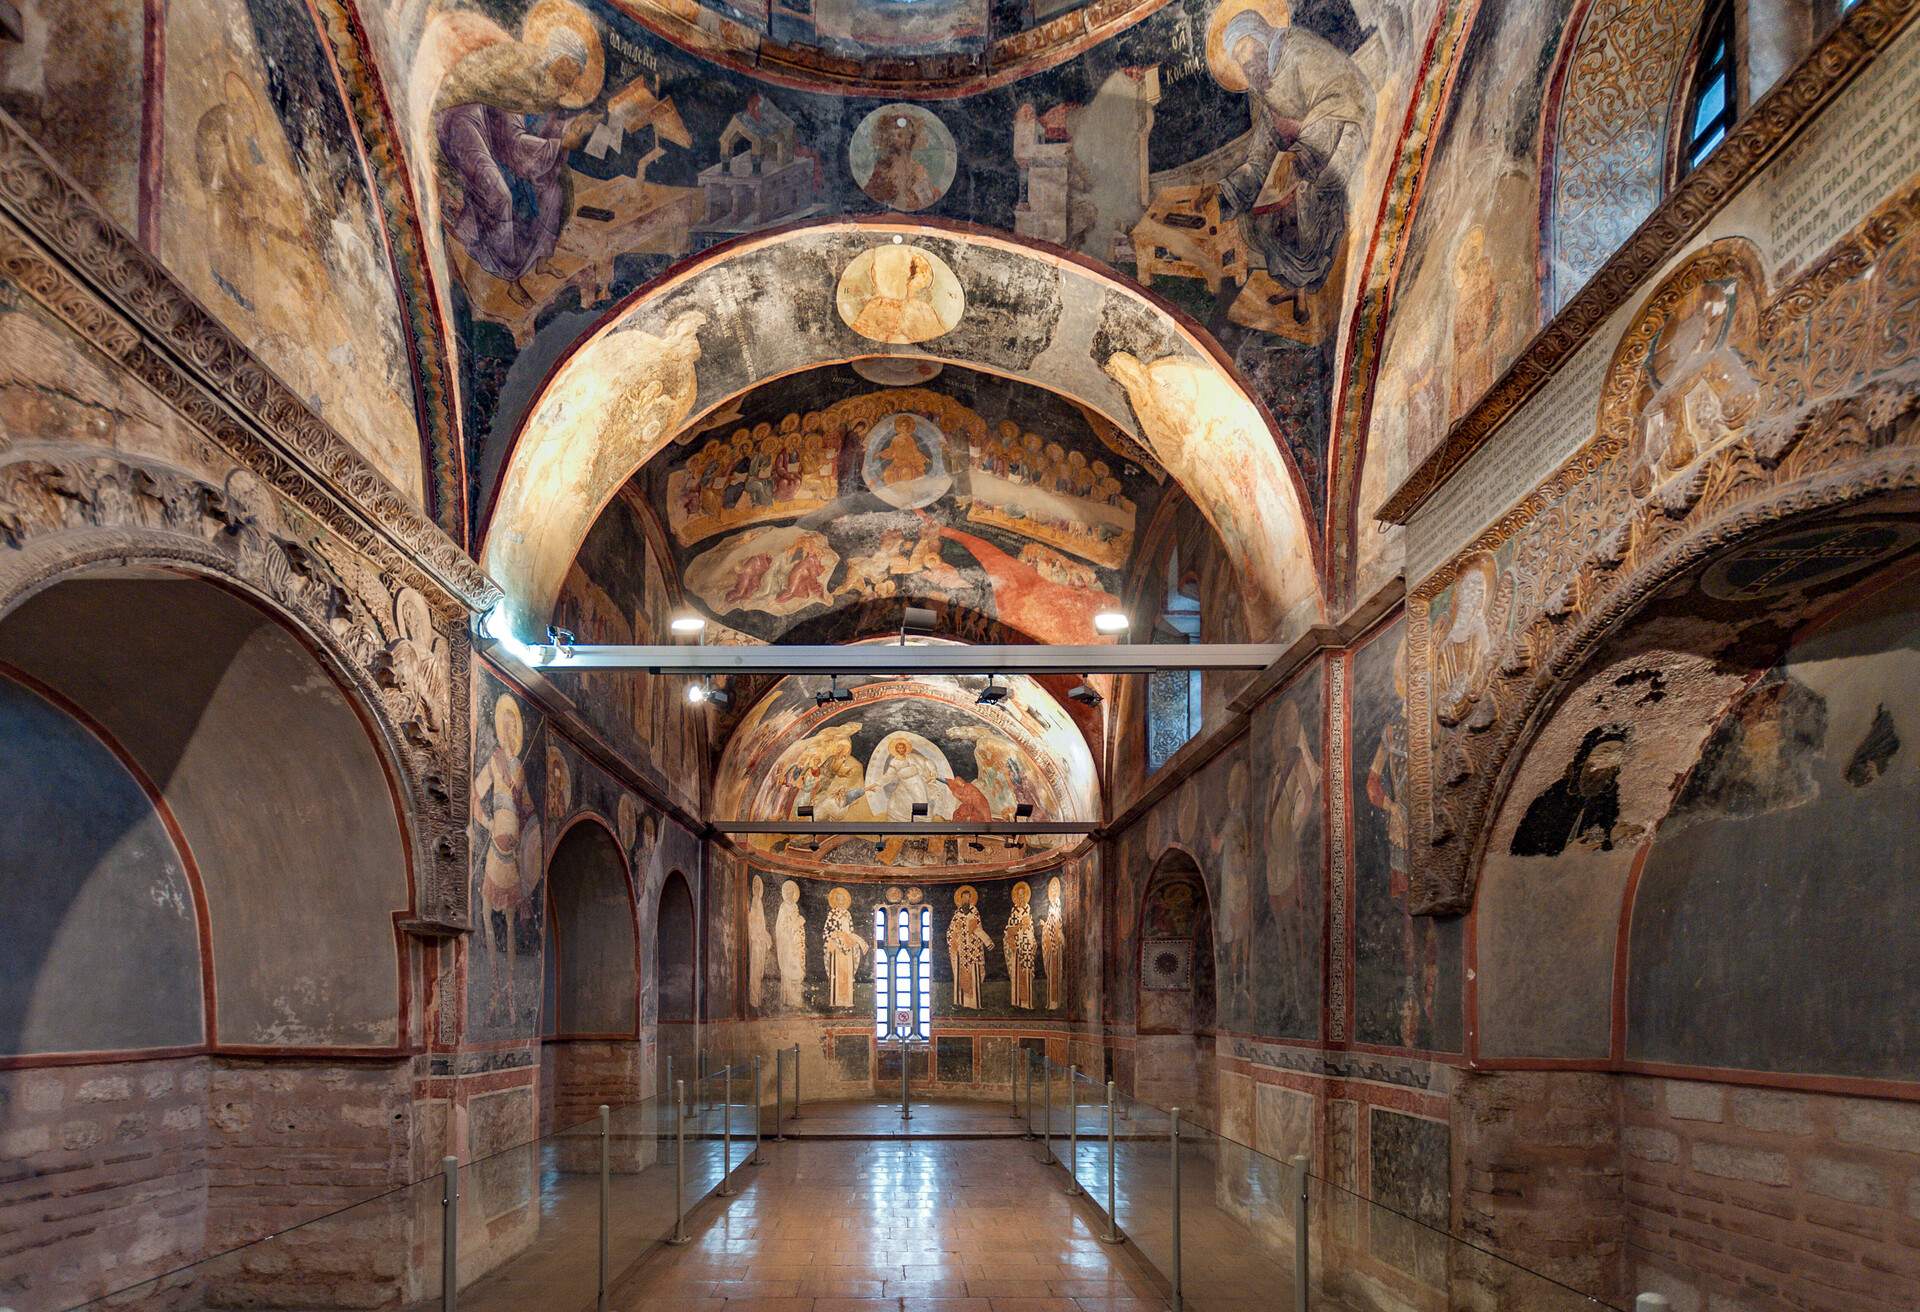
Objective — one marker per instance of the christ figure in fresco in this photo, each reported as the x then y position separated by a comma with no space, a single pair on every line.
1021,946
1312,117
967,948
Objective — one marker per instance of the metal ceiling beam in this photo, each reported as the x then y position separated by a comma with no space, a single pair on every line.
888,658
1012,829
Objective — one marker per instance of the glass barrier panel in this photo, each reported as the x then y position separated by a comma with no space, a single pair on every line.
640,1193
530,1223
381,1252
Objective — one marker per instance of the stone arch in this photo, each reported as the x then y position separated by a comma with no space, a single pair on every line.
1175,981
397,650
1647,502
593,967
676,951
691,341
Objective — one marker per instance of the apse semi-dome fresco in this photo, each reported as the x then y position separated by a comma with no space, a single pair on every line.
901,742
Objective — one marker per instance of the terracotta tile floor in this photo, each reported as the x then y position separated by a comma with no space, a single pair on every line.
931,1118
899,1226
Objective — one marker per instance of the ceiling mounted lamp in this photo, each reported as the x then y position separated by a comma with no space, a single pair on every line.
1112,621
804,812
993,694
561,640
1086,694
688,625
833,693
704,693
917,620
920,810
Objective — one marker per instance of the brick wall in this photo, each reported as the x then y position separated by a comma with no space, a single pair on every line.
1537,1178
1768,1200
102,1177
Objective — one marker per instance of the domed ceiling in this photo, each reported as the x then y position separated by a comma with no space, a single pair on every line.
822,504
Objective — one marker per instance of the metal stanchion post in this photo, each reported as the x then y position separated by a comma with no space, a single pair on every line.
679,1163
1047,1118
668,1086
1113,1235
1073,1132
1026,1065
449,1233
796,1081
1301,1229
606,1195
906,1107
758,1159
779,1091
726,1135
1173,1133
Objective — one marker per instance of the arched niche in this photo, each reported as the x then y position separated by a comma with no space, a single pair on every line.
689,343
1706,817
676,945
593,963
259,764
1178,995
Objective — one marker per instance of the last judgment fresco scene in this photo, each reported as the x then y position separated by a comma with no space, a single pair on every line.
669,605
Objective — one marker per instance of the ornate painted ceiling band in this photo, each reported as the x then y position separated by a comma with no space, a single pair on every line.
1869,28
73,258
1386,250
436,394
745,49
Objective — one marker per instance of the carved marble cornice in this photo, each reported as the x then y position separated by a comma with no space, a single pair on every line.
1793,103
59,246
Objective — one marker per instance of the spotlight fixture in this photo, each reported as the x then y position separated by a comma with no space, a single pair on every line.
696,693
688,624
804,812
993,694
497,626
1112,621
1023,810
976,845
919,810
561,640
703,691
916,619
1086,694
833,693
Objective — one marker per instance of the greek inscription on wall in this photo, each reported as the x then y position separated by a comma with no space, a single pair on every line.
1864,145
1556,422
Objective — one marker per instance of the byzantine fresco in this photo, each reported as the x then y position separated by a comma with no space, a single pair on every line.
902,746
1222,153
1001,947
825,498
267,216
1464,307
74,71
616,592
532,789
1407,968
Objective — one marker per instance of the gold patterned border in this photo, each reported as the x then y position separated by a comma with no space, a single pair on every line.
1853,45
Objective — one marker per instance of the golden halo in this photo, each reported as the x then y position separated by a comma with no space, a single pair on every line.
966,895
1278,13
839,899
549,14
507,724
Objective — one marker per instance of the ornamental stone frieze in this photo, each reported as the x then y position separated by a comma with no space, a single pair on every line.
1724,412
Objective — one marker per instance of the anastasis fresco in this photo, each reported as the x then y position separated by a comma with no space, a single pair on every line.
906,749
825,497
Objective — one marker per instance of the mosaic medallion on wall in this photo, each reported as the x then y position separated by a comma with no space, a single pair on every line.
903,157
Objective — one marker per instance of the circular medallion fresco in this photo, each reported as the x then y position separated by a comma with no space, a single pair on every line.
903,157
899,294
905,464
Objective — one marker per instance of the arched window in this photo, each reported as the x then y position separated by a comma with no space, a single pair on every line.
902,969
1713,94
1173,696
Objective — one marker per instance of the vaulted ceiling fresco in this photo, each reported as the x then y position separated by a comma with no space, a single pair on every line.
903,742
822,504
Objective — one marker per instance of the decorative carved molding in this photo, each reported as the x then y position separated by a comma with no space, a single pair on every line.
59,246
1867,29
1720,417
65,508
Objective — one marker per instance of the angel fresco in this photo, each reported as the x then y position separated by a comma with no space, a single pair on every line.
504,132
